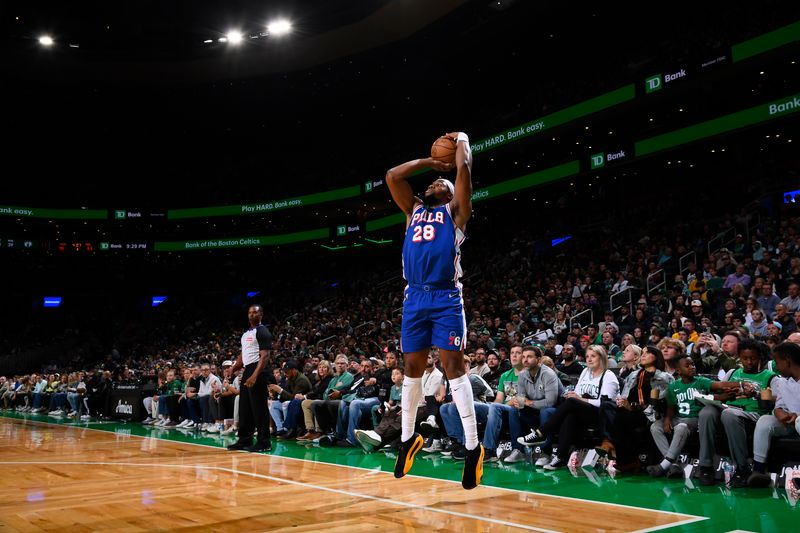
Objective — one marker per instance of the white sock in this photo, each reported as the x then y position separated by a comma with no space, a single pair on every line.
461,389
666,463
412,392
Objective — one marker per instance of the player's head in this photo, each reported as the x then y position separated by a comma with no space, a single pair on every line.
439,192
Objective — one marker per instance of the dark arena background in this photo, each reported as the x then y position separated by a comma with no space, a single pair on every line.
635,192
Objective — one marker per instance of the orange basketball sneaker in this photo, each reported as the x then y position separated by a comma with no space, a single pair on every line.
405,455
473,468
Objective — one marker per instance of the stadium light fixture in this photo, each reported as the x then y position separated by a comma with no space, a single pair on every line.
279,27
234,37
46,40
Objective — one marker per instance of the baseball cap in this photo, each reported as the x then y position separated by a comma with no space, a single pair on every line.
777,324
227,363
291,363
697,302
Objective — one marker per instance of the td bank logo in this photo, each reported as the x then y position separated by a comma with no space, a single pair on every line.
653,83
598,160
341,231
368,186
104,246
119,215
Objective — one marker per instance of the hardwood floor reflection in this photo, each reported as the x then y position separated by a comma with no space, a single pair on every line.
55,478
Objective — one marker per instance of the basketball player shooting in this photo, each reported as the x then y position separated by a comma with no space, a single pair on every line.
433,307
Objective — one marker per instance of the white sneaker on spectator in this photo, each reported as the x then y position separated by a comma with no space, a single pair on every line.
543,460
182,423
86,417
434,446
147,420
368,439
515,456
72,414
212,429
229,431
57,412
554,464
189,424
430,422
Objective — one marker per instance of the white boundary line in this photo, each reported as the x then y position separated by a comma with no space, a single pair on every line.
667,526
692,519
292,482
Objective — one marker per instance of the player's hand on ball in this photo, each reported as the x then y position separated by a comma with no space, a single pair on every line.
441,166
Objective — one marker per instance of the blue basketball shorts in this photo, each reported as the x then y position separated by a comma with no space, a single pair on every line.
433,317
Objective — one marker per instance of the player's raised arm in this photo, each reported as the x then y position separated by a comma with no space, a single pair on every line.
461,204
396,179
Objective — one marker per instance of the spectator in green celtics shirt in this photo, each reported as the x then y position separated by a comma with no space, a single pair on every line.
681,417
171,411
785,420
740,417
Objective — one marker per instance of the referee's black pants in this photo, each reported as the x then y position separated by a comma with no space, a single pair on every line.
253,407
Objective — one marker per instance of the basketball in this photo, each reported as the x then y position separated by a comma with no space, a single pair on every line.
444,149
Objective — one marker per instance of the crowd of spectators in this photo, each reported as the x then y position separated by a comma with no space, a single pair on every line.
553,356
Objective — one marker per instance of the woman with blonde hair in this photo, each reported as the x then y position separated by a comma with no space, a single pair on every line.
581,409
631,356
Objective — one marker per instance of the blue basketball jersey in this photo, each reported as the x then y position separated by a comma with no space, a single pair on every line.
432,248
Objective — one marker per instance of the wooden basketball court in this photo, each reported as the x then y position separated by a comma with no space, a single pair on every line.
55,478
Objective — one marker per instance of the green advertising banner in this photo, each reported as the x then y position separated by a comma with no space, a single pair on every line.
748,117
604,101
242,242
265,207
36,212
768,41
493,191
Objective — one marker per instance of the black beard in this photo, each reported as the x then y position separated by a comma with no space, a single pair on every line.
430,200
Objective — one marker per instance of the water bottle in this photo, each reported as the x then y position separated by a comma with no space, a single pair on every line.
727,468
